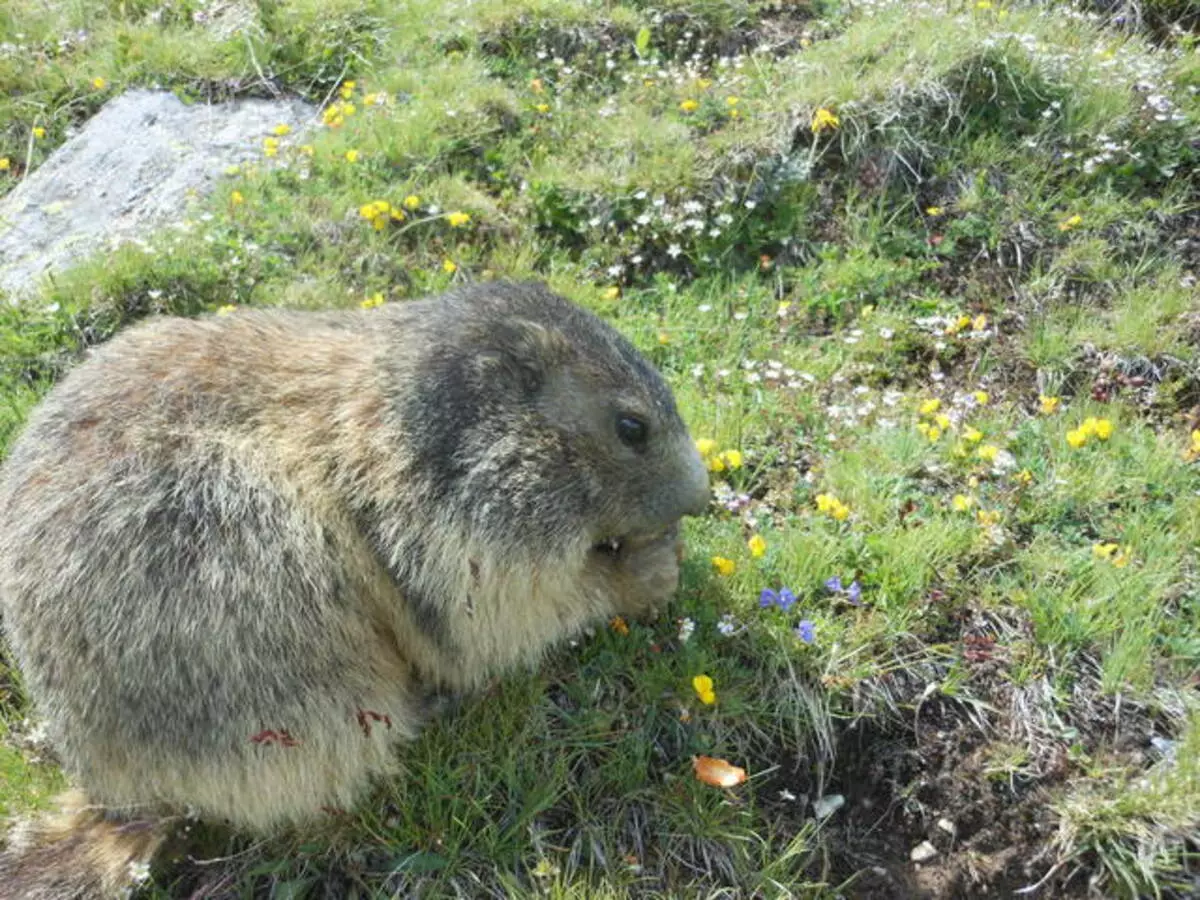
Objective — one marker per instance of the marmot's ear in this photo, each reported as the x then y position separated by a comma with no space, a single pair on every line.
519,354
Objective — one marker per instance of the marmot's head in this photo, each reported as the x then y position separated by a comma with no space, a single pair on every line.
537,425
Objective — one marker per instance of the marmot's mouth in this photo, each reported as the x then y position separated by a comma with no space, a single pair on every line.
614,546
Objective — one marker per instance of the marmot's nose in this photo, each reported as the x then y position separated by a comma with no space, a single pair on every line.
696,493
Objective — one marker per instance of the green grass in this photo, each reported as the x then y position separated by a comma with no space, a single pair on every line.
806,293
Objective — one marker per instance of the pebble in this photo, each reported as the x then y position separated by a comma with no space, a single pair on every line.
923,852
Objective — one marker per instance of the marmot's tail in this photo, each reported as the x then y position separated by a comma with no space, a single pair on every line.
77,853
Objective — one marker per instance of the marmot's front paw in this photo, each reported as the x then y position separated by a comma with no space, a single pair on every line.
649,574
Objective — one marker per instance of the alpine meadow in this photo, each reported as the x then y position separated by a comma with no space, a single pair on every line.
923,277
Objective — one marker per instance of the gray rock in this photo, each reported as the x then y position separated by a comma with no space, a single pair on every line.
129,170
923,852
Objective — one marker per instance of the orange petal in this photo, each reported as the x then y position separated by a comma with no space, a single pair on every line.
717,772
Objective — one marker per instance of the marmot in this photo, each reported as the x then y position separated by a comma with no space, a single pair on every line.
236,552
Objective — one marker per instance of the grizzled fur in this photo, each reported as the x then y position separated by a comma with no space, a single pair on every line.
237,553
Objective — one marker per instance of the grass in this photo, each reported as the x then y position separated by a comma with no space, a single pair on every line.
1002,210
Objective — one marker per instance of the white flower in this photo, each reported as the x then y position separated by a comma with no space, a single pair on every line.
674,250
686,627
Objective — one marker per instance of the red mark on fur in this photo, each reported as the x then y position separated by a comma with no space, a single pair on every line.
366,716
333,811
270,736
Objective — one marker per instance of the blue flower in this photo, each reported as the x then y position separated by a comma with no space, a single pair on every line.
804,631
854,593
784,599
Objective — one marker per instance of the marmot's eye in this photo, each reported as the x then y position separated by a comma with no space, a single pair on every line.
632,430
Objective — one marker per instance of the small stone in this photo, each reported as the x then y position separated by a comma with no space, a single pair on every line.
828,805
923,852
947,826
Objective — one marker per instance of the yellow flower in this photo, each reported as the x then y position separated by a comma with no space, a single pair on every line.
458,219
959,324
833,507
398,215
732,458
543,108
98,83
39,132
962,503
612,293
1077,438
723,566
1190,453
306,149
347,90
412,201
373,301
731,101
988,517
706,446
973,435
824,119
225,310
1071,222
942,420
270,146
703,686
1101,429
449,266
1023,477
689,105
703,83
716,463
370,99
783,308
929,407
981,397
934,211
757,546
1048,404
236,197
5,164
619,625
281,129
664,337
979,322
1117,555
984,4
988,452
351,156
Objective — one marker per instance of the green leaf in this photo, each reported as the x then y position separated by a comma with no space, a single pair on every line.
643,41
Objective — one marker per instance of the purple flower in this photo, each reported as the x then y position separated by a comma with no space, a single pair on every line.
784,599
834,584
854,593
804,631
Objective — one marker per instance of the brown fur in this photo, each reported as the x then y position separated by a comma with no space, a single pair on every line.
239,553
